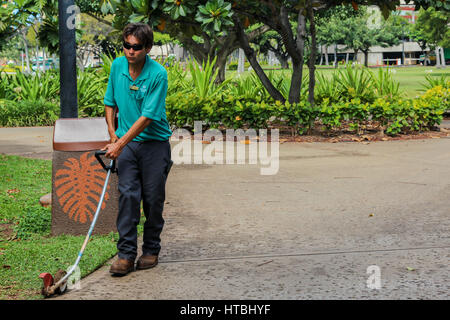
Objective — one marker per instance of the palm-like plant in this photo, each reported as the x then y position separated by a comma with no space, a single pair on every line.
384,83
40,86
203,78
355,83
434,82
326,88
91,90
176,78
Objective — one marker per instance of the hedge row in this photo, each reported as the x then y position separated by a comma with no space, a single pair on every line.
394,116
28,113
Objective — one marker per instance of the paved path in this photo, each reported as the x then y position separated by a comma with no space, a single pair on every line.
312,231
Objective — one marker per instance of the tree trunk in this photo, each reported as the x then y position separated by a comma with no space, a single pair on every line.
312,58
221,64
201,52
366,58
443,57
321,55
37,59
298,60
43,60
251,57
27,55
326,55
335,56
283,60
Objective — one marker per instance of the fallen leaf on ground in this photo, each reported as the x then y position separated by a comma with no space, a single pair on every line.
371,215
410,269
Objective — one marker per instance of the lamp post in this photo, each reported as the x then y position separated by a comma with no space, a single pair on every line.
67,60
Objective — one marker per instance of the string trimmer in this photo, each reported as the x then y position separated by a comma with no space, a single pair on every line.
58,284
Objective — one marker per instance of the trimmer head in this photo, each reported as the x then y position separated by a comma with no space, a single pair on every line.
49,287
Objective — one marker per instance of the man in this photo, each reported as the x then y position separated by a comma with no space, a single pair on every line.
137,86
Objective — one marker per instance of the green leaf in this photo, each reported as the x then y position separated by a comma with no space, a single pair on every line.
217,25
176,13
182,11
136,4
136,17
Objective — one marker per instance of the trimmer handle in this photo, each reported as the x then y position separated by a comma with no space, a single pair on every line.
112,164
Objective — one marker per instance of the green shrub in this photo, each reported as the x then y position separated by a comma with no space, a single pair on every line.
355,83
327,89
247,87
203,78
34,87
392,115
5,86
233,65
177,78
28,113
385,85
432,82
36,220
299,116
91,89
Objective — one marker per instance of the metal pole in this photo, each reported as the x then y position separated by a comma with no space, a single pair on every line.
67,58
403,43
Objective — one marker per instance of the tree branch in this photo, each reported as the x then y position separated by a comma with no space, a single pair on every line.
99,19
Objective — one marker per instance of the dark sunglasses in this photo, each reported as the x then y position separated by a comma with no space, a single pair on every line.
135,47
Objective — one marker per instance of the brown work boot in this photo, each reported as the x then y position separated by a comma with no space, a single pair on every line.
146,262
121,267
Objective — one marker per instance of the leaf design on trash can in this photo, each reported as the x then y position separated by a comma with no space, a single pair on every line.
79,186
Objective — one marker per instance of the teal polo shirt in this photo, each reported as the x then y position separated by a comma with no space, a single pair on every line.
148,99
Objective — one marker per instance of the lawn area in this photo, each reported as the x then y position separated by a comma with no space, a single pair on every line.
26,247
410,78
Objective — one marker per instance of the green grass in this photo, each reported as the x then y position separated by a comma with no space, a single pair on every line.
21,261
410,78
23,182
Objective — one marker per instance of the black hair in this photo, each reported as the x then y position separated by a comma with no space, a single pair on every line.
141,31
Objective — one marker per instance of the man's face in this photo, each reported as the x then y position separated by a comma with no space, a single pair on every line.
135,56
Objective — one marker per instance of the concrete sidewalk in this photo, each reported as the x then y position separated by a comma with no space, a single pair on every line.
313,231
